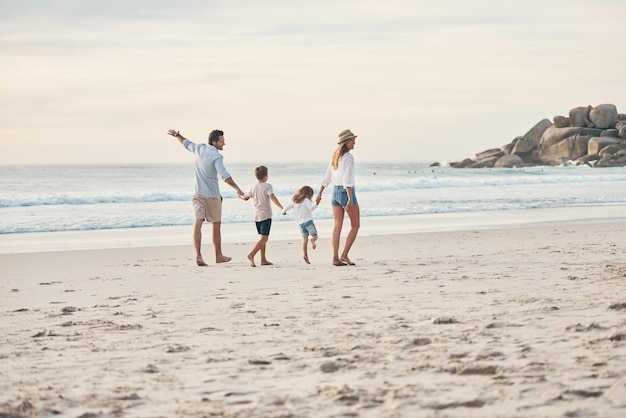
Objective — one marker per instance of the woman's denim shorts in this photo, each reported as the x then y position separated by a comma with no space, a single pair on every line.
340,197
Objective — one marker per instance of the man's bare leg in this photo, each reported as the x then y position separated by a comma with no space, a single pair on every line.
217,243
197,241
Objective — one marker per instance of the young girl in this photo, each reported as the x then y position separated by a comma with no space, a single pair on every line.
303,206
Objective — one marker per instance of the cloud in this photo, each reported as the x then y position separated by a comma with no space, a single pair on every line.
429,76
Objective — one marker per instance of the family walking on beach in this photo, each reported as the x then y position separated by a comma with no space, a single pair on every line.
207,200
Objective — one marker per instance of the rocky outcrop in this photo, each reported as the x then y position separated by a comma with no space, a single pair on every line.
590,135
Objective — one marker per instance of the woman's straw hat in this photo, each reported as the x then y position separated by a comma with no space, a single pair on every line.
345,135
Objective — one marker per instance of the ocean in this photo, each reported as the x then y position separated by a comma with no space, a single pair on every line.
58,207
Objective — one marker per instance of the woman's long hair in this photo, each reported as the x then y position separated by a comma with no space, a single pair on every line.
339,152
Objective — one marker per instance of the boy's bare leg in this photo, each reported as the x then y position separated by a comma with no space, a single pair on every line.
257,247
313,239
265,261
217,243
197,241
251,259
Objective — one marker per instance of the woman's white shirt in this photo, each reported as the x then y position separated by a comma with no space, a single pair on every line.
343,175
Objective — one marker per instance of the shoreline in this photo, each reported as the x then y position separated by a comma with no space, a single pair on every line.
287,229
510,321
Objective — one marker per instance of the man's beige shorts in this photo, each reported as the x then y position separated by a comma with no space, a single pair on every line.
207,208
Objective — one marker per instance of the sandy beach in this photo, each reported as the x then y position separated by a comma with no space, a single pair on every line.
508,322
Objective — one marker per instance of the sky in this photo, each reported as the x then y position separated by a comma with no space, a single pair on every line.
85,81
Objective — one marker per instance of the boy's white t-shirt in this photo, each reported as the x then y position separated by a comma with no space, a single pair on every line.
260,194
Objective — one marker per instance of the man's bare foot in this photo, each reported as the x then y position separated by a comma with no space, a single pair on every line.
200,262
306,259
339,263
223,259
251,258
313,244
267,263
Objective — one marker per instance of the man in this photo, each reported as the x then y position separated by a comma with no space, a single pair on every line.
207,201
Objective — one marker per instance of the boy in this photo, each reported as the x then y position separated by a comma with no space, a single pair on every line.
262,194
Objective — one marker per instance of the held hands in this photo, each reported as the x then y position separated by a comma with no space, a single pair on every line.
318,199
173,133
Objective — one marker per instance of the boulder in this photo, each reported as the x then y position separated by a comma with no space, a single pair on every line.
612,133
612,155
490,153
485,162
603,116
561,121
596,143
620,126
571,148
535,158
509,161
508,147
588,159
610,150
603,162
531,139
554,135
590,134
578,115
462,164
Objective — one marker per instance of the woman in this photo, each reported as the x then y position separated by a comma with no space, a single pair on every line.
341,173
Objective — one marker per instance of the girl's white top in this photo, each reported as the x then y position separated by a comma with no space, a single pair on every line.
302,211
343,175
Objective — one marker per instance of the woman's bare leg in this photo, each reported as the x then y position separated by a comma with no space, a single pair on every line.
338,214
355,223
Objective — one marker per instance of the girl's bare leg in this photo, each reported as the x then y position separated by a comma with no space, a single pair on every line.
305,242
